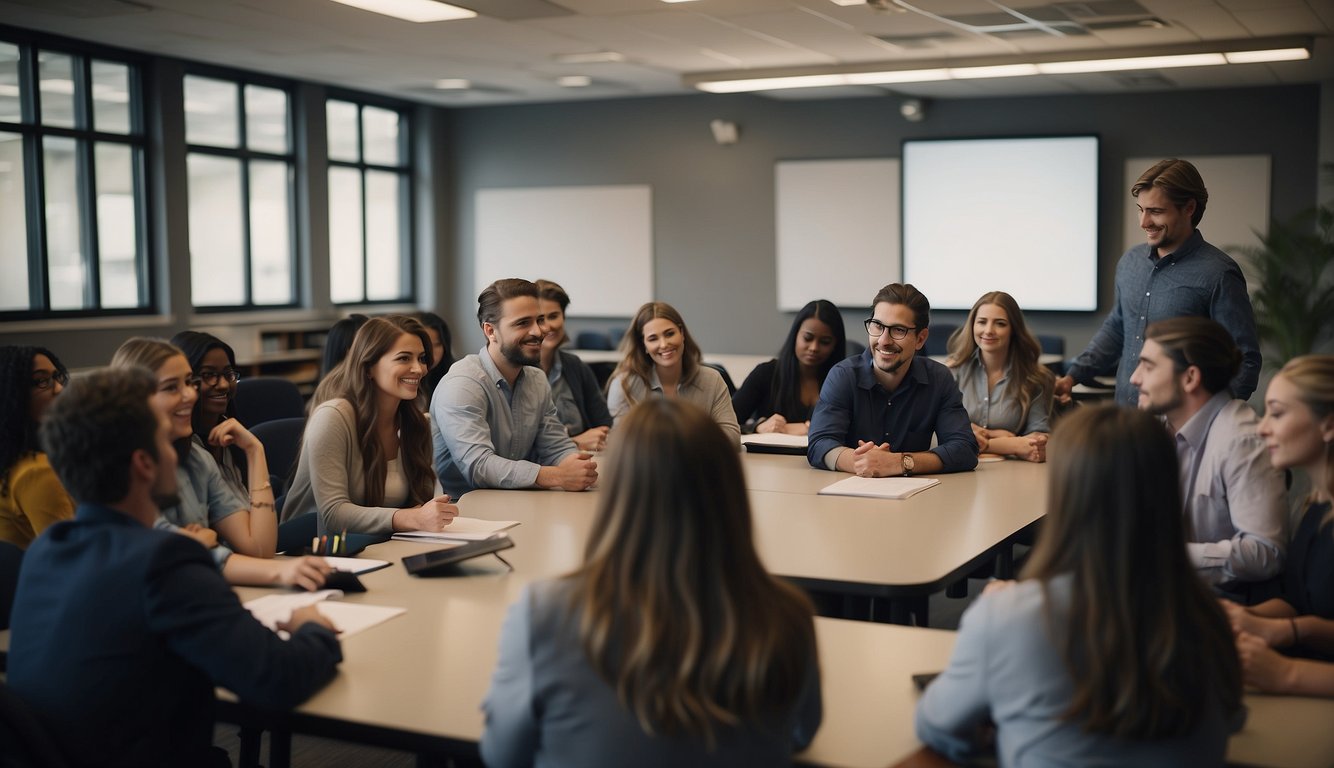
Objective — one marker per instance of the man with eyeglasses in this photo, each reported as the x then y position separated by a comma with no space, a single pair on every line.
878,411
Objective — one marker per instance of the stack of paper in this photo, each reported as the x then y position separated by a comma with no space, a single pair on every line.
460,529
348,618
355,564
880,487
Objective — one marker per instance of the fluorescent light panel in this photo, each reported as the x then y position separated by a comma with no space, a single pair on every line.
1003,70
419,11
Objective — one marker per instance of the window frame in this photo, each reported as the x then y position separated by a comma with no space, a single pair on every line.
33,134
406,183
243,154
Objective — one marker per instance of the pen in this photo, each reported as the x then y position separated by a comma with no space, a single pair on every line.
344,541
315,546
324,542
334,551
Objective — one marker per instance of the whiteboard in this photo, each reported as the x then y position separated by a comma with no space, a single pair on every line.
1238,206
837,230
597,242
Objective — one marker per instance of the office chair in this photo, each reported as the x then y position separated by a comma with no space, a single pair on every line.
855,349
593,340
937,343
727,378
265,398
282,447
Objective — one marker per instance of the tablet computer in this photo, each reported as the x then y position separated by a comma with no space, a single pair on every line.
442,561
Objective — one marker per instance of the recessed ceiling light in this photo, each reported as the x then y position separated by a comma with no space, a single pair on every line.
453,84
574,81
678,1
592,57
848,2
412,10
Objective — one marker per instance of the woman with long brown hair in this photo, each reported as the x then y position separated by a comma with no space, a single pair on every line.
1110,649
1007,392
659,358
365,461
671,645
1298,429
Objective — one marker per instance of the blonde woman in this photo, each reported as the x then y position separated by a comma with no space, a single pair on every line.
671,645
1298,429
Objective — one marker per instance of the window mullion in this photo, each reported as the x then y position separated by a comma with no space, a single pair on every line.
85,169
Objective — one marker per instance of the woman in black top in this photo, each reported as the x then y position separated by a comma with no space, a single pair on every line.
778,396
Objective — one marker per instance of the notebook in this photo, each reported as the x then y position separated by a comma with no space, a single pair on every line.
880,487
775,443
460,529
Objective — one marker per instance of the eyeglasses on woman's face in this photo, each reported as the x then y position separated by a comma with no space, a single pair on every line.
47,382
210,377
875,328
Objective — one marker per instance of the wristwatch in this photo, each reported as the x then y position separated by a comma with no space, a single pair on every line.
907,464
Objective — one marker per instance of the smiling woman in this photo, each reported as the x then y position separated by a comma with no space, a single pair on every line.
660,359
31,497
372,470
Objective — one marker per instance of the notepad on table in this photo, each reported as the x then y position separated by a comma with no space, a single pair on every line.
775,442
348,618
355,564
460,529
879,487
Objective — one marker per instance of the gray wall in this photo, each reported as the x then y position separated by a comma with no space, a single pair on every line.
713,206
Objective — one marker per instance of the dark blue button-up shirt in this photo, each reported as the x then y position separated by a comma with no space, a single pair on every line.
1198,280
853,406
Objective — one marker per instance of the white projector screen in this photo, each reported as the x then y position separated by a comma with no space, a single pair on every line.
1013,215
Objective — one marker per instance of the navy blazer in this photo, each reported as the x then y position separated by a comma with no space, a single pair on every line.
120,633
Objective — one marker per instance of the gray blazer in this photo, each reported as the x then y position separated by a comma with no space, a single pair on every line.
1006,668
548,707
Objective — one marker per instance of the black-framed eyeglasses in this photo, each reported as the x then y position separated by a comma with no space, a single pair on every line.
47,382
210,377
896,332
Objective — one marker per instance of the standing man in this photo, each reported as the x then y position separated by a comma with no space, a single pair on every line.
120,632
1175,273
493,421
1234,498
878,411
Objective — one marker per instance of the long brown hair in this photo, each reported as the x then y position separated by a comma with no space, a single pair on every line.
351,381
1028,378
635,361
1144,640
678,614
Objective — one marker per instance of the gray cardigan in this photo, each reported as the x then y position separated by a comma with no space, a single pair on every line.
548,707
328,475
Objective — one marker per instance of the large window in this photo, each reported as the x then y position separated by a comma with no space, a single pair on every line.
242,168
72,207
369,204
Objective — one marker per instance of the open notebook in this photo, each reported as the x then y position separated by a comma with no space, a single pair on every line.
879,487
349,618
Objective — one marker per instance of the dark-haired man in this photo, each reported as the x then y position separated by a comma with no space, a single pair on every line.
120,632
1233,497
878,411
493,420
1174,273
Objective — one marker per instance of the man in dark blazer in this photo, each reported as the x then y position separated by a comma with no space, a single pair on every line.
120,632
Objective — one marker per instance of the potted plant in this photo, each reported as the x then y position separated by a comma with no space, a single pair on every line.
1293,293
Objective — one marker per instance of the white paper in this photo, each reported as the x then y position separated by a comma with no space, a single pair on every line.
880,487
348,618
461,529
354,564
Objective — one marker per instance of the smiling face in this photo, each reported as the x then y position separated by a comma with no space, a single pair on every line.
176,395
43,370
1165,225
519,332
555,322
214,397
1293,434
1160,386
814,344
991,328
663,342
398,373
887,353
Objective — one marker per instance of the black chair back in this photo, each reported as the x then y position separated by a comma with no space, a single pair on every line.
937,343
282,447
727,379
11,557
592,340
265,398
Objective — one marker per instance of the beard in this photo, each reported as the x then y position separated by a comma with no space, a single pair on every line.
894,367
516,355
1163,408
